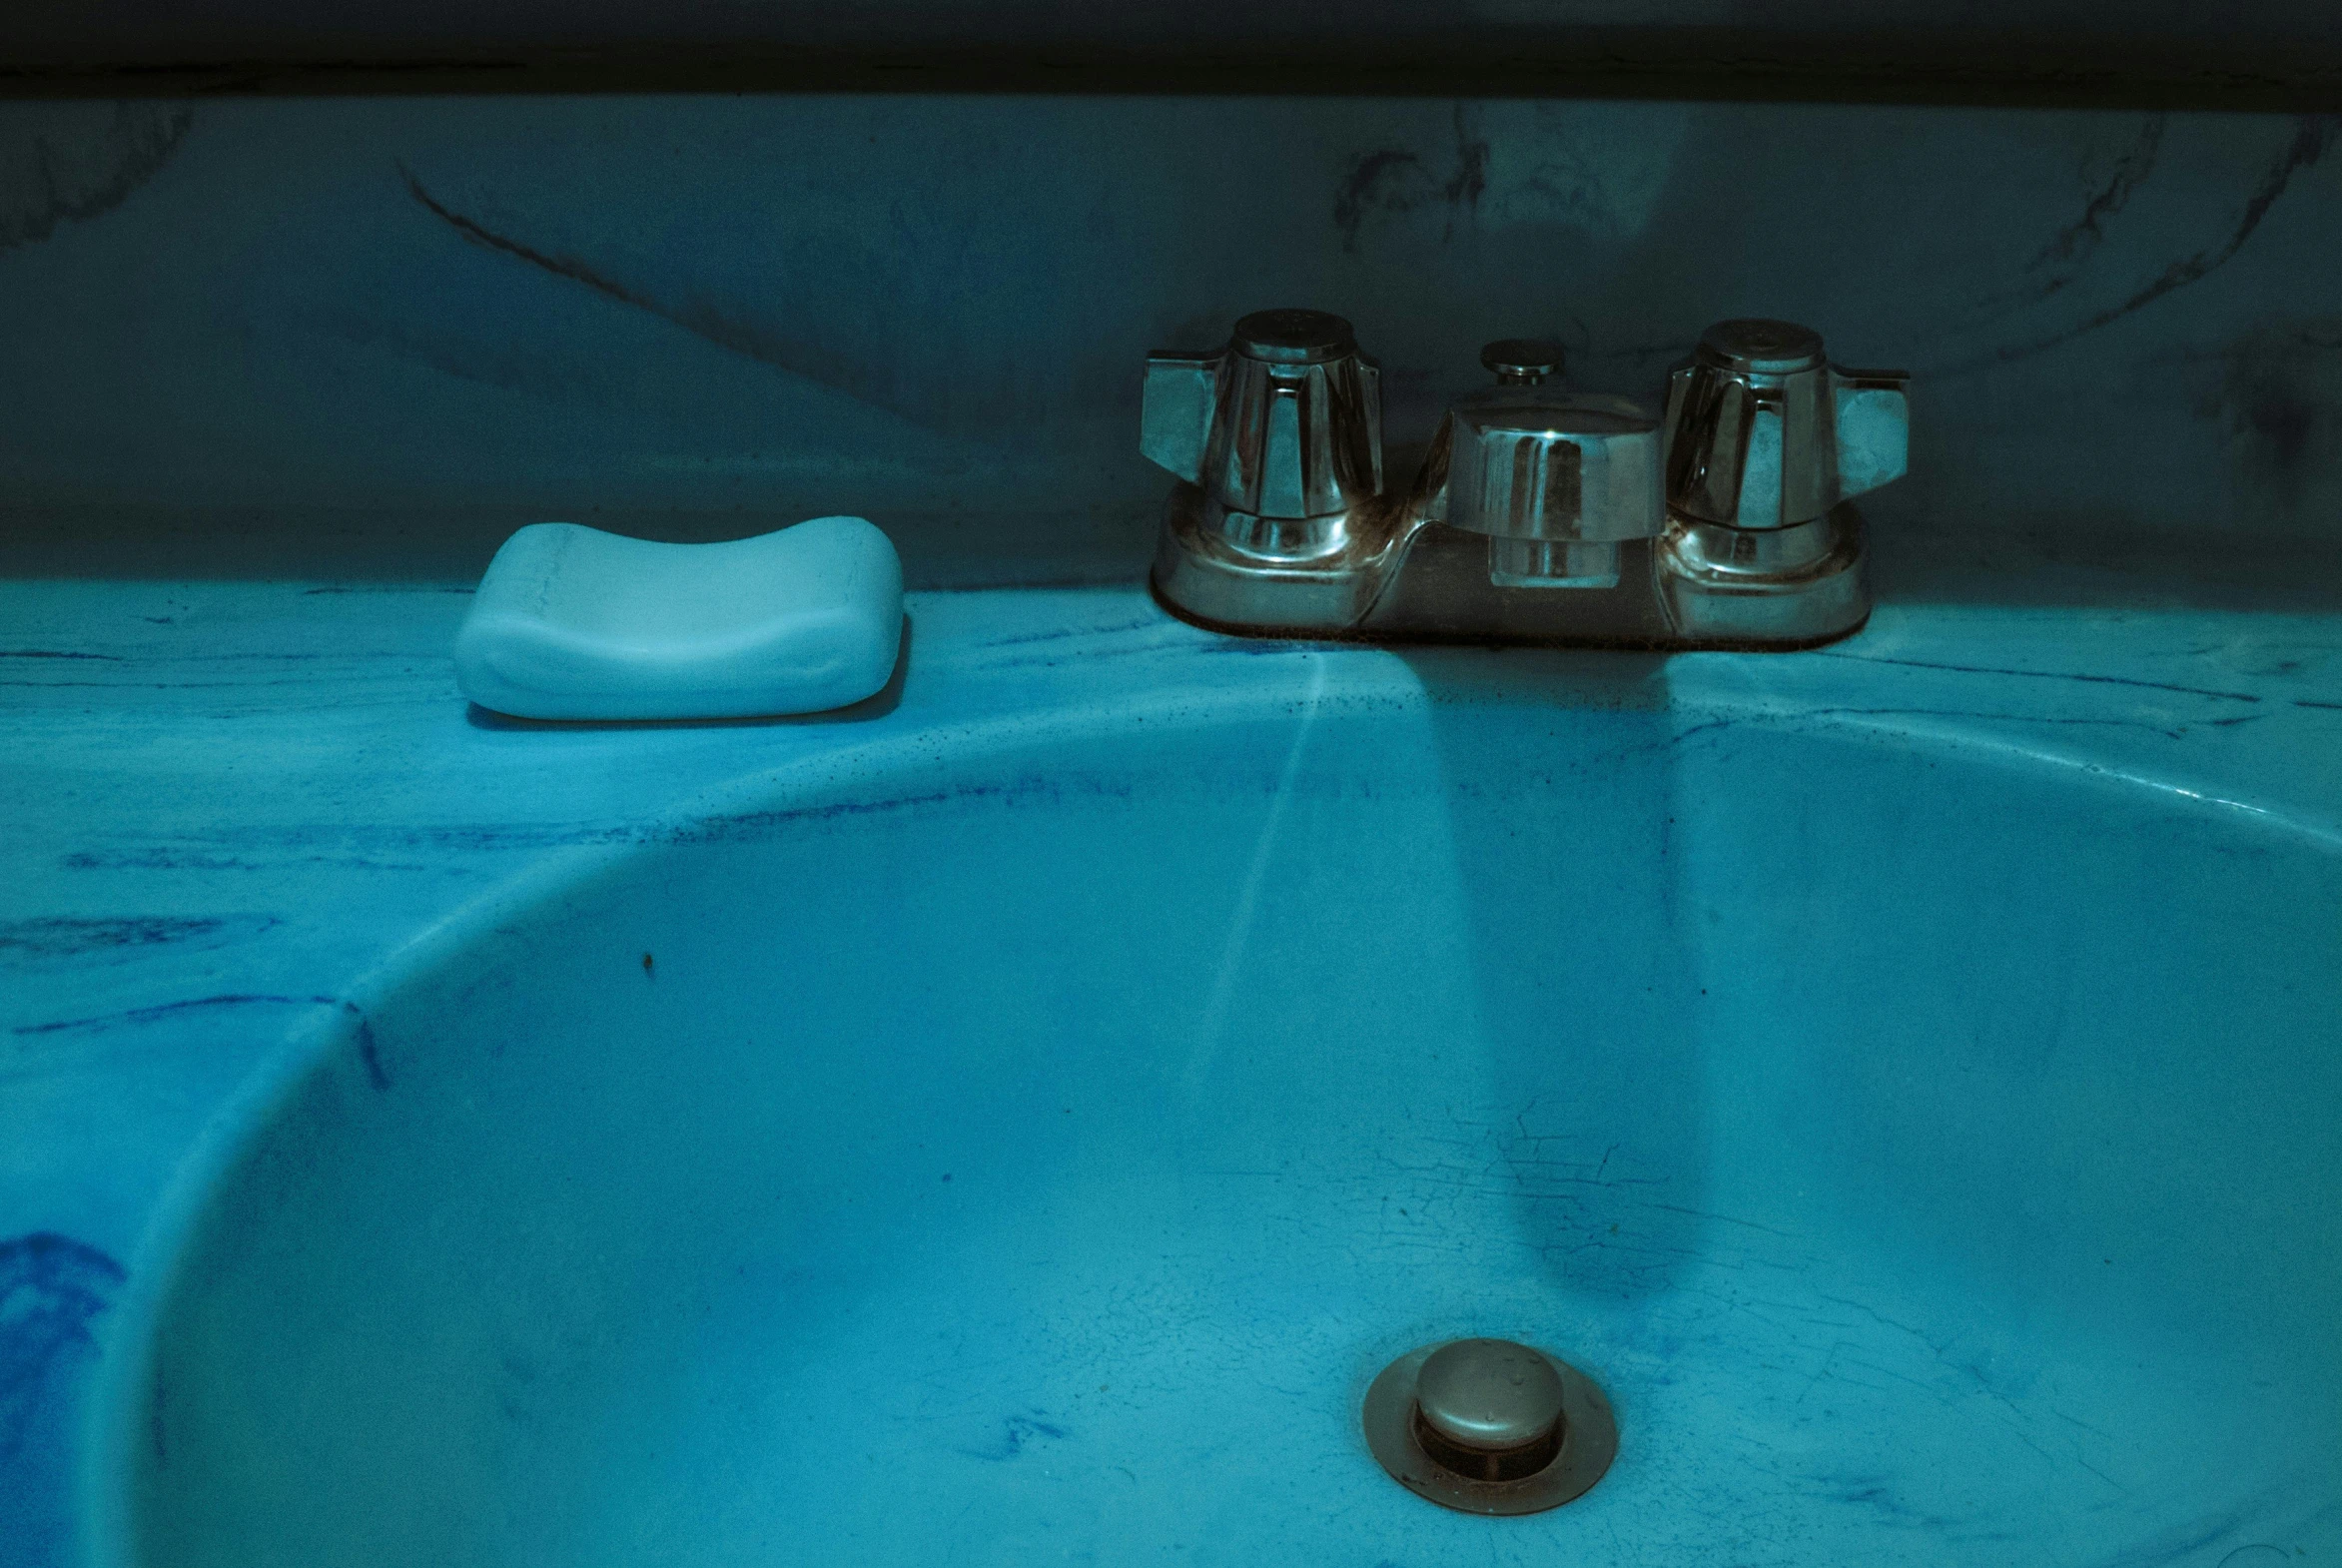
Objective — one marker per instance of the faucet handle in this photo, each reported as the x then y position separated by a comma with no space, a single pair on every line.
1175,409
1762,432
1285,423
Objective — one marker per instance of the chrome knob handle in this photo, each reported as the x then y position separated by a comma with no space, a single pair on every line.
1285,423
1571,467
1762,432
1554,478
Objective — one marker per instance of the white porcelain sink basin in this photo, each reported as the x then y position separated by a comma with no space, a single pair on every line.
1937,1157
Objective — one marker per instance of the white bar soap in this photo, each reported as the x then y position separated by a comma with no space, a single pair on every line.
575,623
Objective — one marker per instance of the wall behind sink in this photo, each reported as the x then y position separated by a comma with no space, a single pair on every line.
367,337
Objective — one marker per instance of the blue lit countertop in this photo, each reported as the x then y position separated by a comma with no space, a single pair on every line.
226,802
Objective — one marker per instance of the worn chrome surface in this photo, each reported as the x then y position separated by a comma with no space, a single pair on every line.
1539,514
1282,429
1490,1426
1764,433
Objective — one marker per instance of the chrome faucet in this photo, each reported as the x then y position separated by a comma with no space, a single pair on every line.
1540,515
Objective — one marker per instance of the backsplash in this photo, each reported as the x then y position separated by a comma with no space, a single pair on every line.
369,337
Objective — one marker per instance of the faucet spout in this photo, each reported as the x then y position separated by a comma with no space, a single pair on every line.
1555,481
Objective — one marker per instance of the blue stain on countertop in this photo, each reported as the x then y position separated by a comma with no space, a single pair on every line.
82,939
50,1287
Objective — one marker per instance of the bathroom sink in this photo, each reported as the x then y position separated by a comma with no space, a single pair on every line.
1935,1156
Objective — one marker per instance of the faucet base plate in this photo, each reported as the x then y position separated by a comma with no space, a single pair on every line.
1408,580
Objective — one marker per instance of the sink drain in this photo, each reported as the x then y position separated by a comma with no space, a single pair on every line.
1489,1426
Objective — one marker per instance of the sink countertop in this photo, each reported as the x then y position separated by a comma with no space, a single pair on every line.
227,801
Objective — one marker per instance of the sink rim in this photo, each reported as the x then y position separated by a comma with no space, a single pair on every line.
117,1419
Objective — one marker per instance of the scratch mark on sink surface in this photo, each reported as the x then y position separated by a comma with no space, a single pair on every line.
2168,731
1728,1219
1016,1432
148,1015
1990,670
1149,623
368,1050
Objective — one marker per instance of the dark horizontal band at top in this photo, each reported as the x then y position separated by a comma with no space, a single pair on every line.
2251,66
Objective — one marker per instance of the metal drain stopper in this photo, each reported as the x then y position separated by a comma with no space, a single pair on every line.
1489,1426
1489,1409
